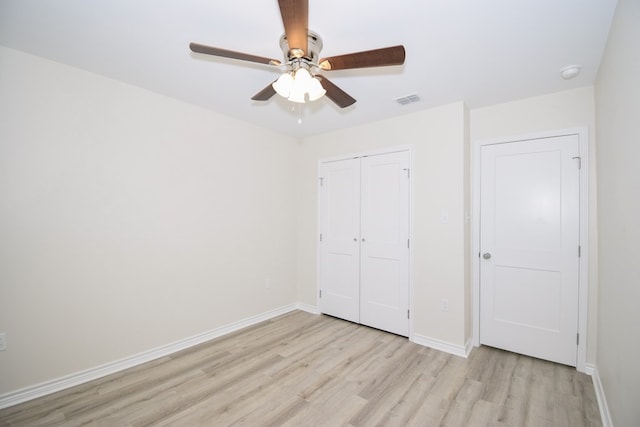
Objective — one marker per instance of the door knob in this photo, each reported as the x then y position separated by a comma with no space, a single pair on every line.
486,255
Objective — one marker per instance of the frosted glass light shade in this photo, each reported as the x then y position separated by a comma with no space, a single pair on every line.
316,91
300,86
297,93
283,85
302,75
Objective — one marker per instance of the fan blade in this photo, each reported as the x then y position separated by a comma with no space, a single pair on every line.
215,51
265,94
337,95
393,55
295,17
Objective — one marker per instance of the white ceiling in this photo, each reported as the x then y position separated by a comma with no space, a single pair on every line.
480,52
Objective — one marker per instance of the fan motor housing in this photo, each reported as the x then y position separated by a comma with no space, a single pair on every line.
314,48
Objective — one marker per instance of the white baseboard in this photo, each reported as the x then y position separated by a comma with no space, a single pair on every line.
307,307
48,387
589,369
455,349
602,401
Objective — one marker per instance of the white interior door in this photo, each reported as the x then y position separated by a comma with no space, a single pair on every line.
339,273
384,251
529,240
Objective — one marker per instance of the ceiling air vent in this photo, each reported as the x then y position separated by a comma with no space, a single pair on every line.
409,99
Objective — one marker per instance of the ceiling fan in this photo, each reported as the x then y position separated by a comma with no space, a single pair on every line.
301,49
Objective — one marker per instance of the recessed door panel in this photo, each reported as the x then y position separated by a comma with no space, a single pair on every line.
540,288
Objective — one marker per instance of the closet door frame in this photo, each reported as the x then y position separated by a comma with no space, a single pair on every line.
394,149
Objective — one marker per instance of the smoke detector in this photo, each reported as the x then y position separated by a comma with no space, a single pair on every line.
570,72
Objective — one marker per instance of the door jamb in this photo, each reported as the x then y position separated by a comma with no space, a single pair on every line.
583,269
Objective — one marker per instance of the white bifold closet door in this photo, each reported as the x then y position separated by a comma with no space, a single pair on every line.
364,247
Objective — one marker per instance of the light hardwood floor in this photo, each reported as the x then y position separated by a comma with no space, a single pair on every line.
308,370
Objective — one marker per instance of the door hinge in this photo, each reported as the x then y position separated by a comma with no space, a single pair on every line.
321,237
579,251
320,293
408,314
577,339
408,244
579,161
321,181
408,172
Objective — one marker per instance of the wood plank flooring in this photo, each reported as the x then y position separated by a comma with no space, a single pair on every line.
308,370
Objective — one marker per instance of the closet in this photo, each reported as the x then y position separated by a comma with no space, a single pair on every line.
364,240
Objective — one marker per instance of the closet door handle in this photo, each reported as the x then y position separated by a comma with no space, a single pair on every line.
363,240
355,239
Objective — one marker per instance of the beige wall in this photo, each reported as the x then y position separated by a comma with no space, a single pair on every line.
129,220
562,110
618,118
440,260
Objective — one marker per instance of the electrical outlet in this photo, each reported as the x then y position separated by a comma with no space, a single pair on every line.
444,304
3,341
267,284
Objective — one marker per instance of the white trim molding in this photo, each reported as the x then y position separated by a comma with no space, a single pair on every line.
589,369
583,301
312,309
605,415
455,349
58,384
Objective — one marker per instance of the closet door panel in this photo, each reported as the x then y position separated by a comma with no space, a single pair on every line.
384,257
340,245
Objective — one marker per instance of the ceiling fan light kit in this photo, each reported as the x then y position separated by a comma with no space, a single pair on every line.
294,85
301,49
